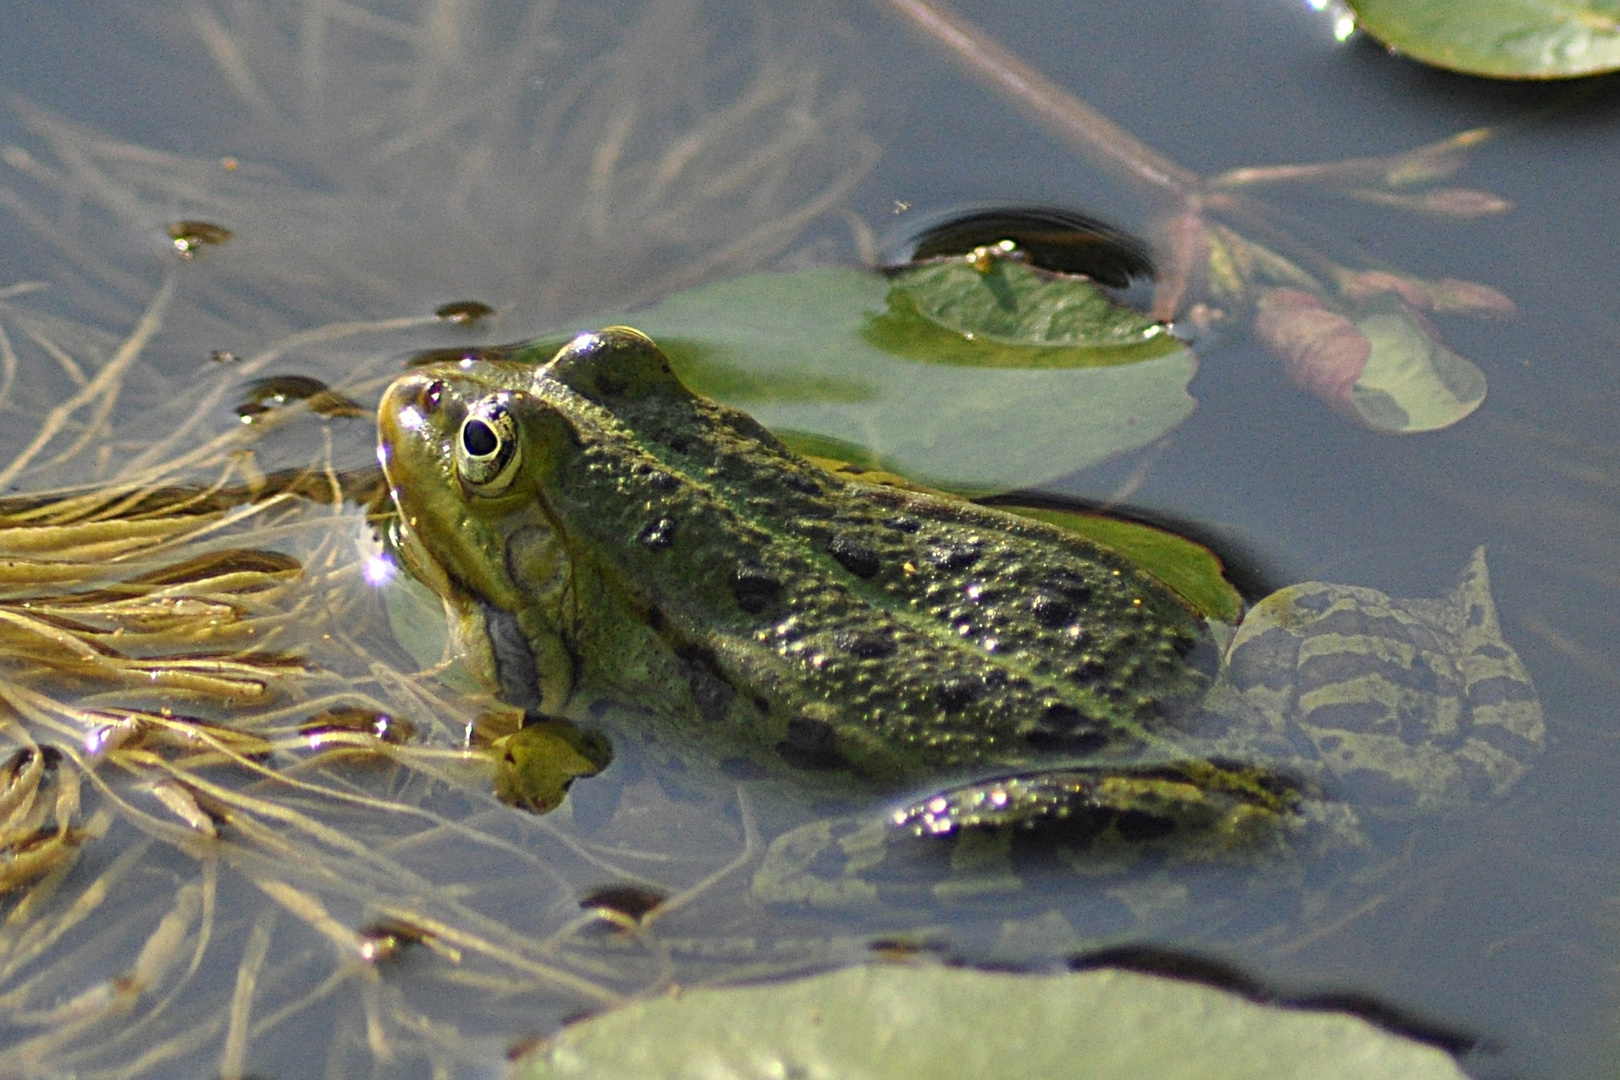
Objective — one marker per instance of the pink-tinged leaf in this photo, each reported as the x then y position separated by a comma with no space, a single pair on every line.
1321,350
1384,367
1365,284
1441,202
1448,296
1454,297
1464,202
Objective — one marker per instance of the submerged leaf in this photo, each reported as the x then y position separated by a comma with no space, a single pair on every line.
1384,366
1447,296
1412,381
1321,350
1502,39
912,1022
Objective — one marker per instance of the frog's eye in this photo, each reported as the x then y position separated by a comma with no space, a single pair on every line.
487,448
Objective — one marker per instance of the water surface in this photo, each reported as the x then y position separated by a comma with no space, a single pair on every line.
372,184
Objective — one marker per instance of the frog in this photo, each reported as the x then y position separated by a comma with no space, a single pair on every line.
598,531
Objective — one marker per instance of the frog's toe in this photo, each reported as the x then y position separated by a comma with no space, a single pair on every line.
1198,801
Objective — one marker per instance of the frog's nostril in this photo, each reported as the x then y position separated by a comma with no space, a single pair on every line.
427,399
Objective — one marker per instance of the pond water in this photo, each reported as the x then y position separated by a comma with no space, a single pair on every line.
389,158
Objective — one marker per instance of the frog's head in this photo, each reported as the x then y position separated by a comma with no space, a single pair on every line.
472,451
467,450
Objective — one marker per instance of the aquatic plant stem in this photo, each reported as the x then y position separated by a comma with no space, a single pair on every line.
104,386
1184,201
1100,139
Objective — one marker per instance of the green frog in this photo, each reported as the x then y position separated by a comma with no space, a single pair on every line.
599,532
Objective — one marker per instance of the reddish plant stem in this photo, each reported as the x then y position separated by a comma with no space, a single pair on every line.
1109,146
1185,199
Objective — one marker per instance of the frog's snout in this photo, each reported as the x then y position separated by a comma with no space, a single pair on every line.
407,407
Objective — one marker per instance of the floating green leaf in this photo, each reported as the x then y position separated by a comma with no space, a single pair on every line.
911,1023
794,350
1051,320
1502,39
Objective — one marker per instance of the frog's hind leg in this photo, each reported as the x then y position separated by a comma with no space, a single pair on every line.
1213,806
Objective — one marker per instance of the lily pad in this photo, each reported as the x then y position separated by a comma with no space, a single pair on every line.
1006,302
911,1023
1501,39
794,349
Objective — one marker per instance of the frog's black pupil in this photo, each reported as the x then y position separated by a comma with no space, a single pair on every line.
478,438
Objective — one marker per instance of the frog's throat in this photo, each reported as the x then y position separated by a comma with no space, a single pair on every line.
535,674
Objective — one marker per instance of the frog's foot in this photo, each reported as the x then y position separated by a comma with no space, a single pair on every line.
1218,806
535,765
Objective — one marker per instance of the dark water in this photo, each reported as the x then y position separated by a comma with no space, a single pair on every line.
1503,924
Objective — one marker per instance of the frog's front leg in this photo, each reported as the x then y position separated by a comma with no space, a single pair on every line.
1218,806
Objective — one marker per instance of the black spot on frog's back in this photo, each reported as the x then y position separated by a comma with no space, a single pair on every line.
1053,610
865,644
1066,584
1062,728
955,692
657,534
755,589
854,556
803,483
711,692
953,556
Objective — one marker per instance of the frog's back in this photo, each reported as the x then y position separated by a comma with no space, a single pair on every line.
869,627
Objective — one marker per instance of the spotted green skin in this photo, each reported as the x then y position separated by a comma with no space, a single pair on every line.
657,548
